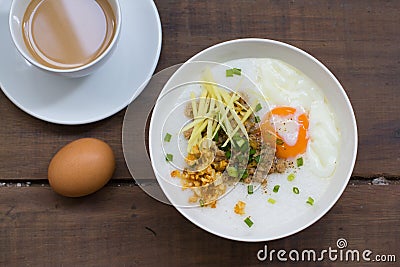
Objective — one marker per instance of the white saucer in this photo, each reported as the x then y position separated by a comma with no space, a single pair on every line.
83,100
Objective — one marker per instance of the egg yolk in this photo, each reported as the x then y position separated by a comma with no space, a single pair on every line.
283,149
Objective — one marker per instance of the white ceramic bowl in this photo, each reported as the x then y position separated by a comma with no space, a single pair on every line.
339,103
16,15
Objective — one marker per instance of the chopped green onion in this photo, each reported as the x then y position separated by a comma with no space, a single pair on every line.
310,201
228,154
244,148
252,151
167,137
276,188
257,159
240,142
216,137
229,73
201,202
248,221
258,107
225,148
250,189
279,141
169,157
296,190
257,119
271,200
237,137
299,162
237,71
291,177
245,174
234,71
232,171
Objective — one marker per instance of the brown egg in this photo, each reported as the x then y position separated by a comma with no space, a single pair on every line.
81,167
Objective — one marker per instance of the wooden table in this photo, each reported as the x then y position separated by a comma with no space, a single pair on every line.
359,40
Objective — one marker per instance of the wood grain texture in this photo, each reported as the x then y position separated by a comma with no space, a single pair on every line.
122,226
358,40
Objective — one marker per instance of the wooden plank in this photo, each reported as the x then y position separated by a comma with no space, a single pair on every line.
122,226
358,40
28,144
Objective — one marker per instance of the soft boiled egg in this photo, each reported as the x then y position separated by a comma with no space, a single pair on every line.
291,126
304,125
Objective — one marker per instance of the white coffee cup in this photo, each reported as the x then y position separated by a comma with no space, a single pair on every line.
16,15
